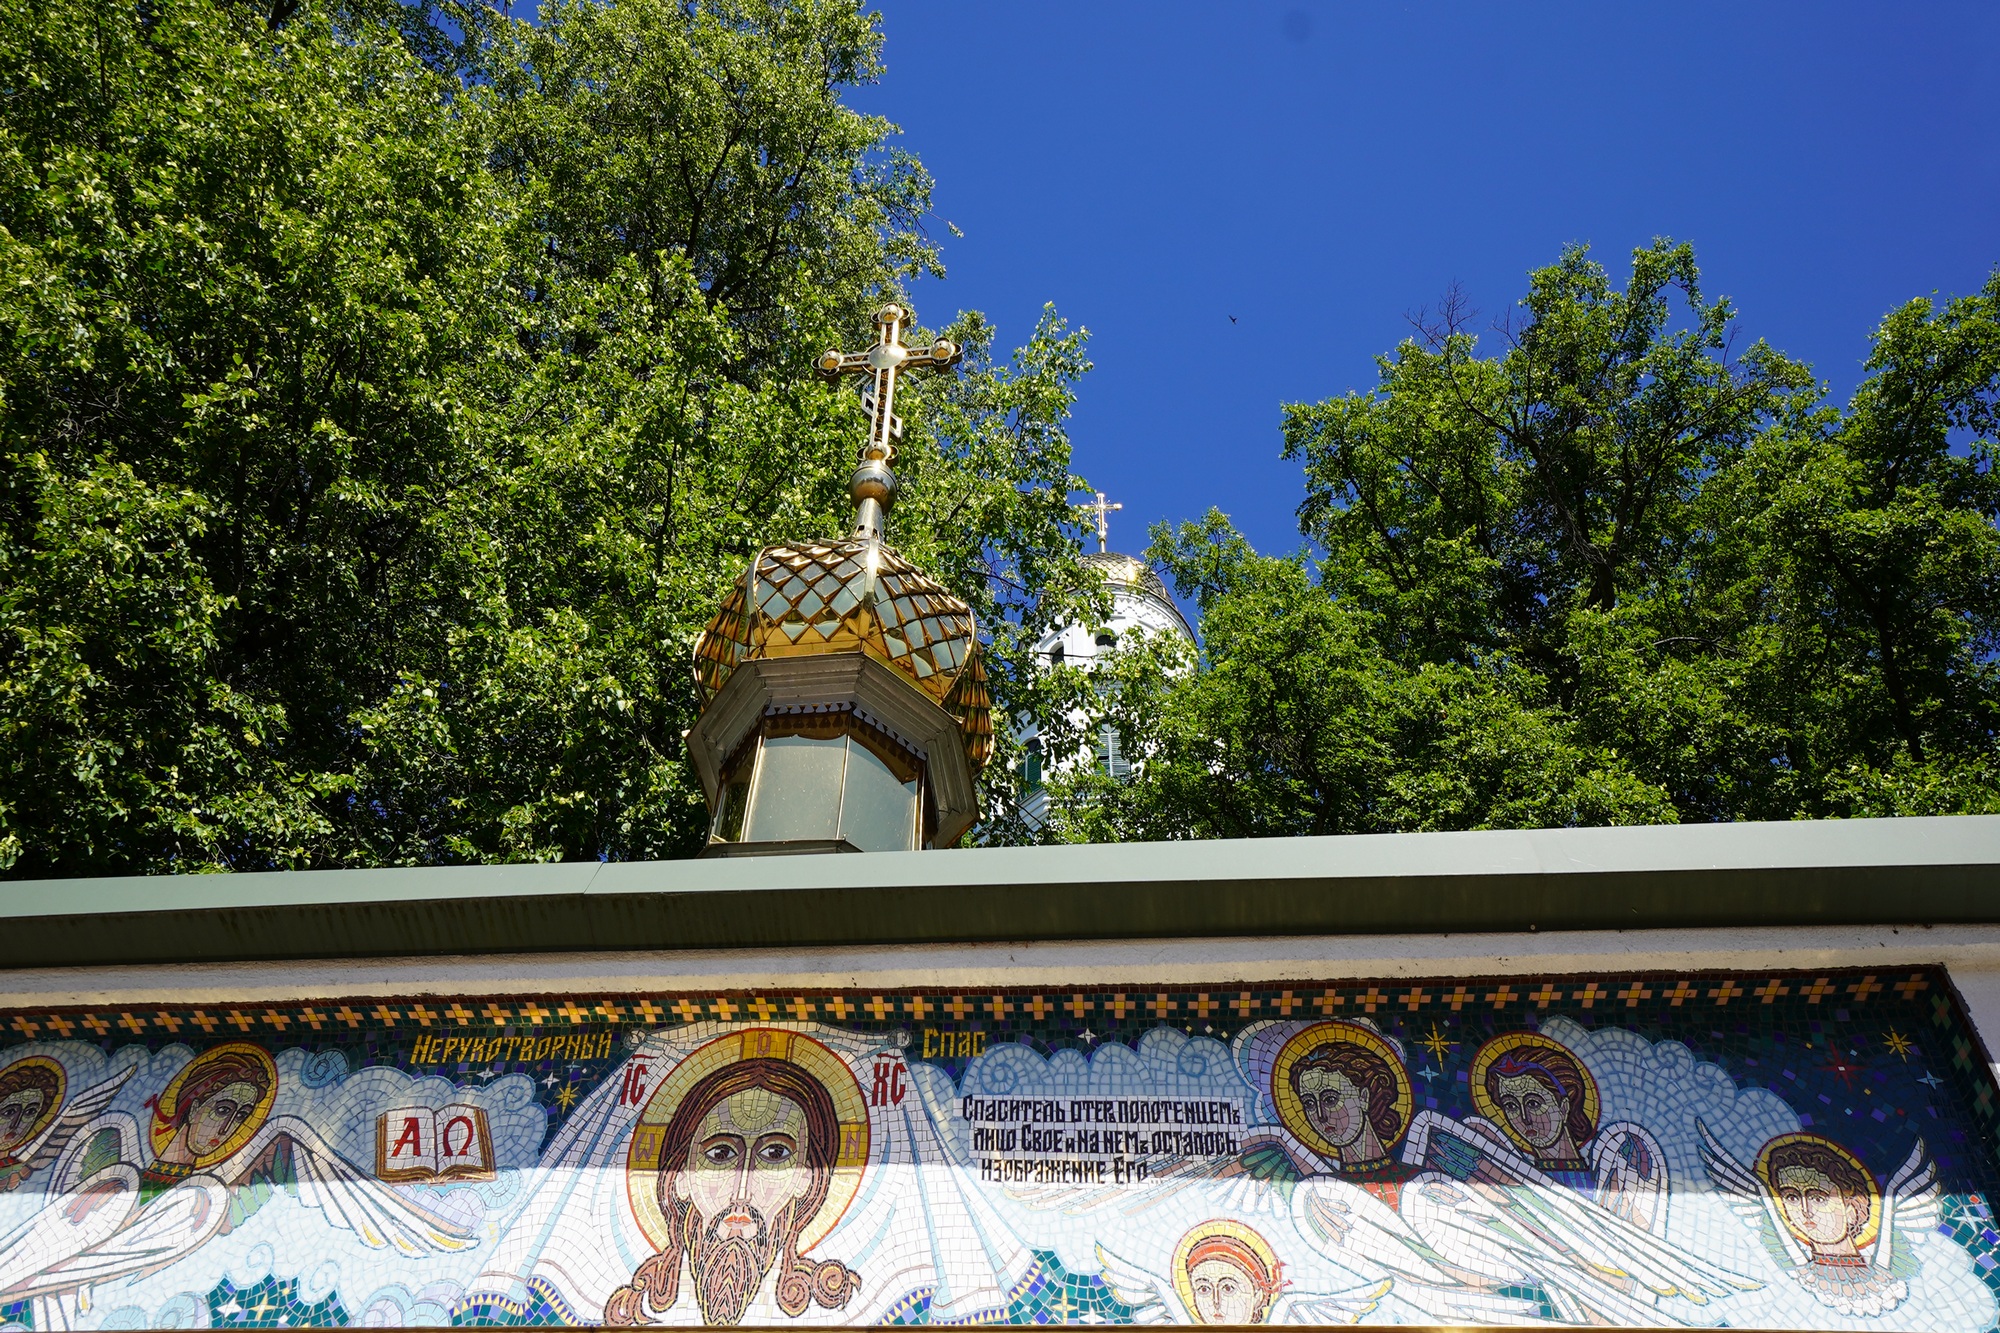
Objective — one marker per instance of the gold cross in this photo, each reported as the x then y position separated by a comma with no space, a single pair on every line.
1102,509
882,363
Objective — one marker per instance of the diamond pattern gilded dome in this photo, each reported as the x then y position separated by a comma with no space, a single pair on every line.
814,598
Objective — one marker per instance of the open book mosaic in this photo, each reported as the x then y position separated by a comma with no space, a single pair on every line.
1798,1150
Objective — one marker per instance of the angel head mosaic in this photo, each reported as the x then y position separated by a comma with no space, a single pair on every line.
1711,1151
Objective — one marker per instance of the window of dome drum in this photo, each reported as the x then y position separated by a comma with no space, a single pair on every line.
825,778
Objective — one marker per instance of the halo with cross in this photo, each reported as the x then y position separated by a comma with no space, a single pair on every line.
643,1158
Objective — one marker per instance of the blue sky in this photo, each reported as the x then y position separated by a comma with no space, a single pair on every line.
1320,171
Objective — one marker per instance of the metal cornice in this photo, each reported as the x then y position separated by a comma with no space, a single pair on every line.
1860,872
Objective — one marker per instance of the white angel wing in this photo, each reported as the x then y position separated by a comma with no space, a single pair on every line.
1363,1235
163,1231
1749,1200
1338,1307
67,1226
351,1198
1546,1232
1359,1232
1631,1175
1459,1147
1909,1207
81,1109
1134,1286
1491,1204
112,1137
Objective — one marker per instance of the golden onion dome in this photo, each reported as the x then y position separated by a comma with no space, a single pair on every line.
1134,574
843,596
1137,577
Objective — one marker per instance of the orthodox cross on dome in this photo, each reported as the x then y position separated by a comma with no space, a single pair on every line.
873,485
1102,511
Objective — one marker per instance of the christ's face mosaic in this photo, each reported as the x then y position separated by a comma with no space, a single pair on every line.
747,1163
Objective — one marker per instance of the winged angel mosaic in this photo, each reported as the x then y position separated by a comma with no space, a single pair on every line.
714,1173
126,1200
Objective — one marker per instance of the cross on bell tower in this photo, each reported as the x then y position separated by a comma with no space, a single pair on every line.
1102,511
873,485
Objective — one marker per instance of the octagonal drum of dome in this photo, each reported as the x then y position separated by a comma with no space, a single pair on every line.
815,598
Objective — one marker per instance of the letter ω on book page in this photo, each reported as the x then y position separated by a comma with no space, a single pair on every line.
414,1144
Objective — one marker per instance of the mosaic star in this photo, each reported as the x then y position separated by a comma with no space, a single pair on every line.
1437,1044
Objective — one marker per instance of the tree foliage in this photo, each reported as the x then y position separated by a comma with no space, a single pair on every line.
389,392
1613,571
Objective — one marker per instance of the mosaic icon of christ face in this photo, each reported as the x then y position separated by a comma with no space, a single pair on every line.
745,1169
745,1166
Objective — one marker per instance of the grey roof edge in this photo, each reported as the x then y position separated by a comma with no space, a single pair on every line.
1853,872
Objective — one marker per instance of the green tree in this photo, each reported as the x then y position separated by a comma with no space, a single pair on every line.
388,400
1876,530
1615,572
1301,720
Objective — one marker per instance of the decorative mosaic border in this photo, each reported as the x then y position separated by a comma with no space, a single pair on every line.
1005,1005
960,1023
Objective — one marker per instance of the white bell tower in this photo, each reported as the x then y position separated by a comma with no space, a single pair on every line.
1139,601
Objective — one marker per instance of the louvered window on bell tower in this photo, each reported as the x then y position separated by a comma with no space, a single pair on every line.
1109,758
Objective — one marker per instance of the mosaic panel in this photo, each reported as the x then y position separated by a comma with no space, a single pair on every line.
1798,1150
